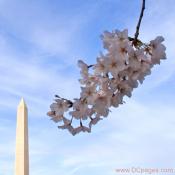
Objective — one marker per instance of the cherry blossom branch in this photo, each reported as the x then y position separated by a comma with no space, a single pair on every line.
139,23
134,40
116,73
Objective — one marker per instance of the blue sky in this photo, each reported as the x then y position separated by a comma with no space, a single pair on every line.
40,43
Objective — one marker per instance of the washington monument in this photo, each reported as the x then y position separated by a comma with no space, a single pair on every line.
22,152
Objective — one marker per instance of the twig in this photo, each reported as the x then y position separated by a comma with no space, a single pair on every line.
68,101
139,22
90,66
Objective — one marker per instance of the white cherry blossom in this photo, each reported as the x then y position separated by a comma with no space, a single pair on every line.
89,93
135,57
158,50
59,107
115,66
117,99
124,65
84,68
80,108
102,104
100,67
122,35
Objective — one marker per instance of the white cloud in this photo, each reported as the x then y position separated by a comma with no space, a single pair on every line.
134,135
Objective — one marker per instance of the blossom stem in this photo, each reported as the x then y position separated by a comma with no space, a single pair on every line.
71,120
68,101
90,66
139,23
81,124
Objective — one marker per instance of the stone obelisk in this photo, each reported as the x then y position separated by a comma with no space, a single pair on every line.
22,152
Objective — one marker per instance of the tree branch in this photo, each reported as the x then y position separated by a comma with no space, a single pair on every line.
68,101
139,22
90,66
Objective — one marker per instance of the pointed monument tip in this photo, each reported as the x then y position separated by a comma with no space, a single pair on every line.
22,102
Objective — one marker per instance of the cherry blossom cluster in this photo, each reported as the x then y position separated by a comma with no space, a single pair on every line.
117,72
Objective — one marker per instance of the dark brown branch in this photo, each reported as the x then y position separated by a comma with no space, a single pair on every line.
139,22
90,66
70,103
